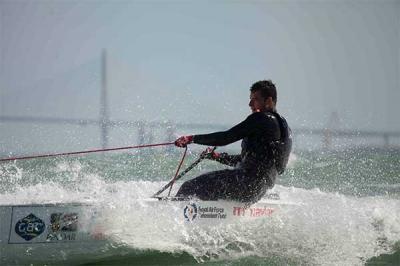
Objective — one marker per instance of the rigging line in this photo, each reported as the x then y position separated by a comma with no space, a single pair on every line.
177,171
84,152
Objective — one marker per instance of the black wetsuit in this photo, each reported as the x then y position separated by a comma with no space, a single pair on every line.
254,170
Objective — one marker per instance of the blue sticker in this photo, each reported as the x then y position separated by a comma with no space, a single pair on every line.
29,227
65,222
190,212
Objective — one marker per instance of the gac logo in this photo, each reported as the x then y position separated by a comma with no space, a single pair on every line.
29,227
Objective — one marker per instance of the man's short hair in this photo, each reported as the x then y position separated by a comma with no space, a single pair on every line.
266,88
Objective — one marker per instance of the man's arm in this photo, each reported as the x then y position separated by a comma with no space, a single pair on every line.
247,127
231,160
221,157
238,132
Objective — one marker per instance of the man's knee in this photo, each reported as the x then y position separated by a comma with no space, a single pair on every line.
187,188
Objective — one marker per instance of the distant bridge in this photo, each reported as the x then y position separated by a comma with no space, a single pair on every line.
170,127
105,123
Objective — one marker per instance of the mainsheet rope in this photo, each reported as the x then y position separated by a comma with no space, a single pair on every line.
177,171
86,151
103,150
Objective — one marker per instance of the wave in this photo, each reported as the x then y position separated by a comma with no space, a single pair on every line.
324,229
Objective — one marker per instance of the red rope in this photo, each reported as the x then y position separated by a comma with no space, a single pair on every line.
177,171
87,151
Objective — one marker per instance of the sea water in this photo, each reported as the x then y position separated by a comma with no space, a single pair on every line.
348,210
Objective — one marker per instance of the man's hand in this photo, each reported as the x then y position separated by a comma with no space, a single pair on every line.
183,141
210,154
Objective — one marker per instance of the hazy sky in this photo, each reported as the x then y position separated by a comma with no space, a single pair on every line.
194,61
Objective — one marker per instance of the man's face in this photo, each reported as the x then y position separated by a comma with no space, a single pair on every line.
257,102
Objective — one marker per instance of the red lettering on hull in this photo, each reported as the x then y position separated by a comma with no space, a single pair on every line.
252,212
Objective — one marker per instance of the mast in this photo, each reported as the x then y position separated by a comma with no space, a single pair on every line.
104,115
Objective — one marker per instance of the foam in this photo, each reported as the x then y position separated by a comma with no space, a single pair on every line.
327,229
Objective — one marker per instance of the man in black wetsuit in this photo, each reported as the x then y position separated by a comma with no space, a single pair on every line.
266,147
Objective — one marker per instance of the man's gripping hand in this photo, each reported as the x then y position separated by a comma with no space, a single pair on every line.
183,141
209,153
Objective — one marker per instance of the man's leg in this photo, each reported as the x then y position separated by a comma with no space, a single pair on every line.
223,184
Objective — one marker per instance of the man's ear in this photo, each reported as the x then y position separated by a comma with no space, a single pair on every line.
269,103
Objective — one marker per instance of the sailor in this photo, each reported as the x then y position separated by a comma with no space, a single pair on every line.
266,145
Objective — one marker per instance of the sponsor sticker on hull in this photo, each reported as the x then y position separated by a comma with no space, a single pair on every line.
190,212
49,224
194,211
253,211
29,227
63,227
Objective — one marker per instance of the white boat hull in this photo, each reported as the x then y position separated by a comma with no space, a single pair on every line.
75,231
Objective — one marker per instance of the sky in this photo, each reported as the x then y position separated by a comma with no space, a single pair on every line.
194,61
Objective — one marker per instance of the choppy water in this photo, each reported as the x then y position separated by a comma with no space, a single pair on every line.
350,212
